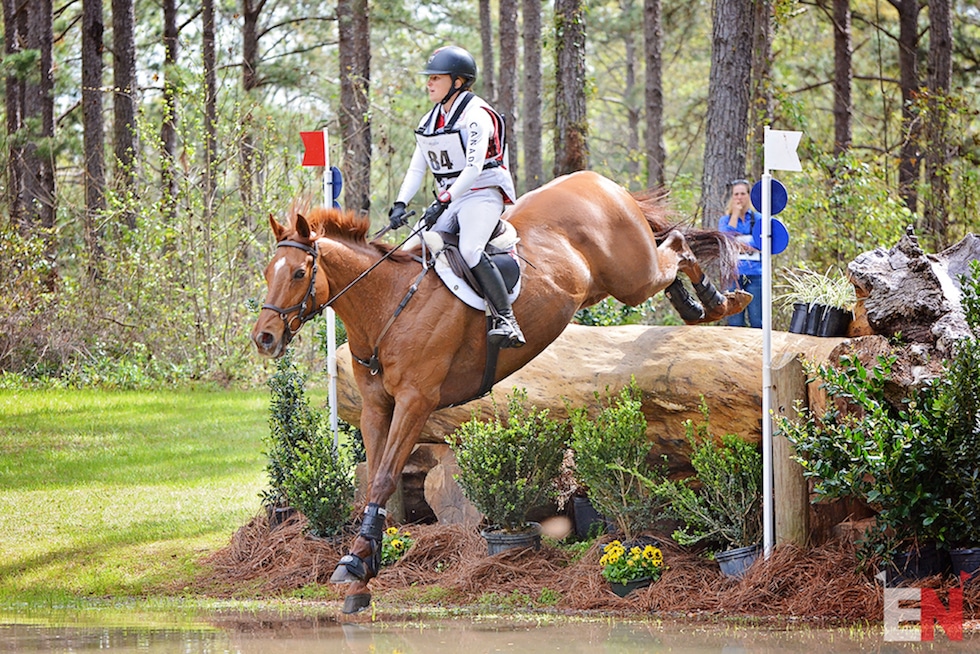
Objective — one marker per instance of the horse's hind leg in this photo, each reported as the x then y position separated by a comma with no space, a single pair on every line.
713,305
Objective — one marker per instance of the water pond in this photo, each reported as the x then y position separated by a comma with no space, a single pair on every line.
272,632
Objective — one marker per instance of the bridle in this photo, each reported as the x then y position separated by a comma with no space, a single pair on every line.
310,298
308,301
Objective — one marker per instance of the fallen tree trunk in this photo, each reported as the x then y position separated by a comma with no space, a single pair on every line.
673,366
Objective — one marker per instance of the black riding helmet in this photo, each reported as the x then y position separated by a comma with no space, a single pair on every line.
453,61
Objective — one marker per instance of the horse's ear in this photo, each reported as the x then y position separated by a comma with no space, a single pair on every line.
277,229
302,227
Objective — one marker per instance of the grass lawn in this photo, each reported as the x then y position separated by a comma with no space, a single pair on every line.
119,494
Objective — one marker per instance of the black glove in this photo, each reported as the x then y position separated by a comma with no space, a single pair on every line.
432,214
397,216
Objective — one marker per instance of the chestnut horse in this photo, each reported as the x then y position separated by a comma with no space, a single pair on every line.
583,238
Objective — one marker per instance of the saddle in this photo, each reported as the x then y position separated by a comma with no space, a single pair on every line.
455,274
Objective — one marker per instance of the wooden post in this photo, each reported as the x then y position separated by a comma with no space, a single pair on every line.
791,494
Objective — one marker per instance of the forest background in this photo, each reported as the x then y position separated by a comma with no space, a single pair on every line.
147,141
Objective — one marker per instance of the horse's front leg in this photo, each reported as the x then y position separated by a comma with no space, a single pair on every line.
363,562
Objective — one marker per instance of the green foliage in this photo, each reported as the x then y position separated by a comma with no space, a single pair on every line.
722,504
866,446
306,469
509,467
611,312
957,401
844,206
611,452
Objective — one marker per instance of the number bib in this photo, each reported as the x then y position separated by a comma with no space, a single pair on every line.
444,152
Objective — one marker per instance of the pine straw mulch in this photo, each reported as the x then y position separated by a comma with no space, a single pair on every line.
819,585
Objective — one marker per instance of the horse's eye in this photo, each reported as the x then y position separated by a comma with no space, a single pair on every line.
299,274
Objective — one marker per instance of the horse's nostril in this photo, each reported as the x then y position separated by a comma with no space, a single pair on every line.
266,339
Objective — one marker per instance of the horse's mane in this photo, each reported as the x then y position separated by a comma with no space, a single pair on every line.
338,223
341,224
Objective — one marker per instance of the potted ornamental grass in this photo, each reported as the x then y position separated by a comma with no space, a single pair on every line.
822,302
508,466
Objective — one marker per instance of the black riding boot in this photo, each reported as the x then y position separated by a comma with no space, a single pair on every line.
505,330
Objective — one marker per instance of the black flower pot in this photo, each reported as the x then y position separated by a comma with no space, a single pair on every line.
625,588
735,563
925,561
965,559
797,323
835,322
588,521
814,317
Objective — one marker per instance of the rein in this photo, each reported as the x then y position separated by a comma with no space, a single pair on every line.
310,298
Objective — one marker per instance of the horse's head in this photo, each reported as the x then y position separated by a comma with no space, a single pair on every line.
297,288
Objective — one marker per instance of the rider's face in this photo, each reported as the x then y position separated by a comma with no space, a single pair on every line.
438,86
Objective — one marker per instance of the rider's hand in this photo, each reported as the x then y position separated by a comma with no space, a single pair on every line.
397,216
436,209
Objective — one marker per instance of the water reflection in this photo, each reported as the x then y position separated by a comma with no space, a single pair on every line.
248,634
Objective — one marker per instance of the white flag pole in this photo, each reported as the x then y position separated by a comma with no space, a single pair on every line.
328,315
767,465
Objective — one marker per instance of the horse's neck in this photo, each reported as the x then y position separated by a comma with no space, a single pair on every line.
369,296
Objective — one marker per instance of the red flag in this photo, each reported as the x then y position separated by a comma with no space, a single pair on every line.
315,154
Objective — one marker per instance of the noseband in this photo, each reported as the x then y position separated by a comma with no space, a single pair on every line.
308,301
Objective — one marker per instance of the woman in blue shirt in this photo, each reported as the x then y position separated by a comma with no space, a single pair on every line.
741,219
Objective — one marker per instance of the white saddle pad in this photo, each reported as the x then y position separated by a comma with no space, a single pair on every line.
457,285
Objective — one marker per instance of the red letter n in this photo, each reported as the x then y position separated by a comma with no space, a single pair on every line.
933,611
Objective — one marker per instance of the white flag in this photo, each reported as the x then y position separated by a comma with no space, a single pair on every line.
780,150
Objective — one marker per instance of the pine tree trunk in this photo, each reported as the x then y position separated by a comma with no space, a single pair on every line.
93,126
507,85
533,91
728,104
760,103
843,51
939,149
125,141
353,30
486,79
168,127
571,121
908,44
656,151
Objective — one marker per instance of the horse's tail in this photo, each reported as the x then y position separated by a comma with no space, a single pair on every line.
707,244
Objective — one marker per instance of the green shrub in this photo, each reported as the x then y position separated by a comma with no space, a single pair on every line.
306,469
509,467
722,504
883,452
611,452
957,402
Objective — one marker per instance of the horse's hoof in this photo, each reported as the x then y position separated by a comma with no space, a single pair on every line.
349,570
356,603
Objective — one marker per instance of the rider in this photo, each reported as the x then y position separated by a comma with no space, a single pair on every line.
462,141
